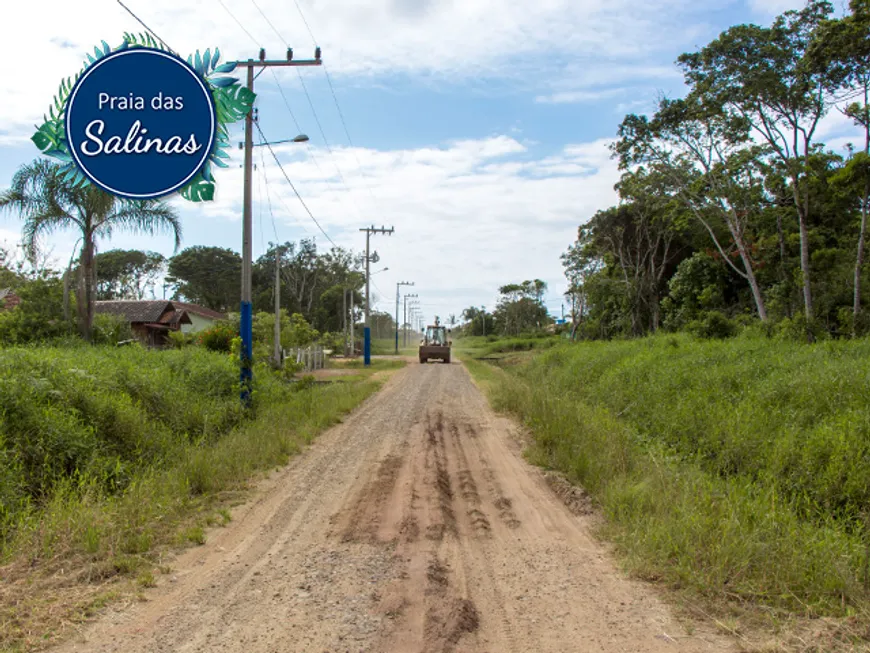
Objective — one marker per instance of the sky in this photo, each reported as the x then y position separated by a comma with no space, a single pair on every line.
478,129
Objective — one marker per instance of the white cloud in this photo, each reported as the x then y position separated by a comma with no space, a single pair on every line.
470,215
572,97
769,8
551,47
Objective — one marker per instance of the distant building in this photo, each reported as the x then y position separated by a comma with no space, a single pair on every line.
8,299
152,320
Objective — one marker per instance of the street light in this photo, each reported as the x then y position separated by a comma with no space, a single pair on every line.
301,138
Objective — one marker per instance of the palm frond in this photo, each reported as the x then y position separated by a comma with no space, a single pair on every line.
146,217
49,219
42,200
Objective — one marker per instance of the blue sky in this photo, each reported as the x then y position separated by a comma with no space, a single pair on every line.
479,127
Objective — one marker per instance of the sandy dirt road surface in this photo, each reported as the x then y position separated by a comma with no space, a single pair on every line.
415,526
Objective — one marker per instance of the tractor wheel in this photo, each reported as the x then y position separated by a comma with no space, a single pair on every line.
447,359
422,360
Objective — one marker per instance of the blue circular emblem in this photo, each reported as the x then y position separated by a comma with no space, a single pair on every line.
140,123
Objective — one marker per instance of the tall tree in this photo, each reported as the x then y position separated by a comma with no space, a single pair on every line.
127,274
208,276
841,50
764,76
706,156
46,202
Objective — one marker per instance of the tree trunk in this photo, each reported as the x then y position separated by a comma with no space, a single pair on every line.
748,270
805,272
859,261
85,296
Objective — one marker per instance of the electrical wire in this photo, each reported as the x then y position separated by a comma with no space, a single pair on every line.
148,29
284,172
226,9
310,148
335,99
287,103
310,102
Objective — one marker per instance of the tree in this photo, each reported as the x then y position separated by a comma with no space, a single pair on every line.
521,307
127,274
209,276
47,202
765,76
841,50
713,169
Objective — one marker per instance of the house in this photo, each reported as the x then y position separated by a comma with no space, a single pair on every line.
8,299
150,320
200,316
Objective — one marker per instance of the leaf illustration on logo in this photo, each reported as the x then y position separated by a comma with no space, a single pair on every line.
198,190
232,102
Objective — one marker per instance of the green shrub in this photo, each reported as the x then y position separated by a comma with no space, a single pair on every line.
713,324
110,329
180,339
219,336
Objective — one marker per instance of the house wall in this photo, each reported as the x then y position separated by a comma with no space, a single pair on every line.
140,332
197,323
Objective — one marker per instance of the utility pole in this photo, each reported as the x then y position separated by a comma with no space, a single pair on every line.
344,317
278,352
367,337
405,323
352,320
400,283
246,326
483,318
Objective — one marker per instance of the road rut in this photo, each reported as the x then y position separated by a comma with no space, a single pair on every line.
415,526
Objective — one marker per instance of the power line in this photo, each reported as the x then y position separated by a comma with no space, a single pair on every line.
335,99
148,29
302,16
307,210
310,148
226,9
310,102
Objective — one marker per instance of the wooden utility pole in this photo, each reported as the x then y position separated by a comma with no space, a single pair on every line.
400,283
277,353
246,322
367,338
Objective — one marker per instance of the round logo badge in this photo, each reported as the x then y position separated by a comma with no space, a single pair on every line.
140,123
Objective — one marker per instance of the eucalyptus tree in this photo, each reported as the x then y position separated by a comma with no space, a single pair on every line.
765,76
841,50
47,203
712,167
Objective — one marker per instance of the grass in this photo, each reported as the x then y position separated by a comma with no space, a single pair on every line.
738,471
112,456
492,346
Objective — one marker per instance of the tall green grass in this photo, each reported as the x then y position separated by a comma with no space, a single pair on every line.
103,449
740,469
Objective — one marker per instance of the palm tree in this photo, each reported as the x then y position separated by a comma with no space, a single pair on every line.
48,203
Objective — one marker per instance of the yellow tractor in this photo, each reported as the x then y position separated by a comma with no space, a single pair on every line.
435,343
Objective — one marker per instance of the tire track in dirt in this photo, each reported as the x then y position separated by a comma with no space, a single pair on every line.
414,527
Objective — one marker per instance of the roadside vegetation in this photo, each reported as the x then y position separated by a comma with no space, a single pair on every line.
110,456
737,471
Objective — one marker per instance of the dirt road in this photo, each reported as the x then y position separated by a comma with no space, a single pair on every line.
415,526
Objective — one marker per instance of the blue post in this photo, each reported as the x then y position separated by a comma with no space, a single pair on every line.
246,356
367,346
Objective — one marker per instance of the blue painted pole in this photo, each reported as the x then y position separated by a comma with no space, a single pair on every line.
246,355
367,346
